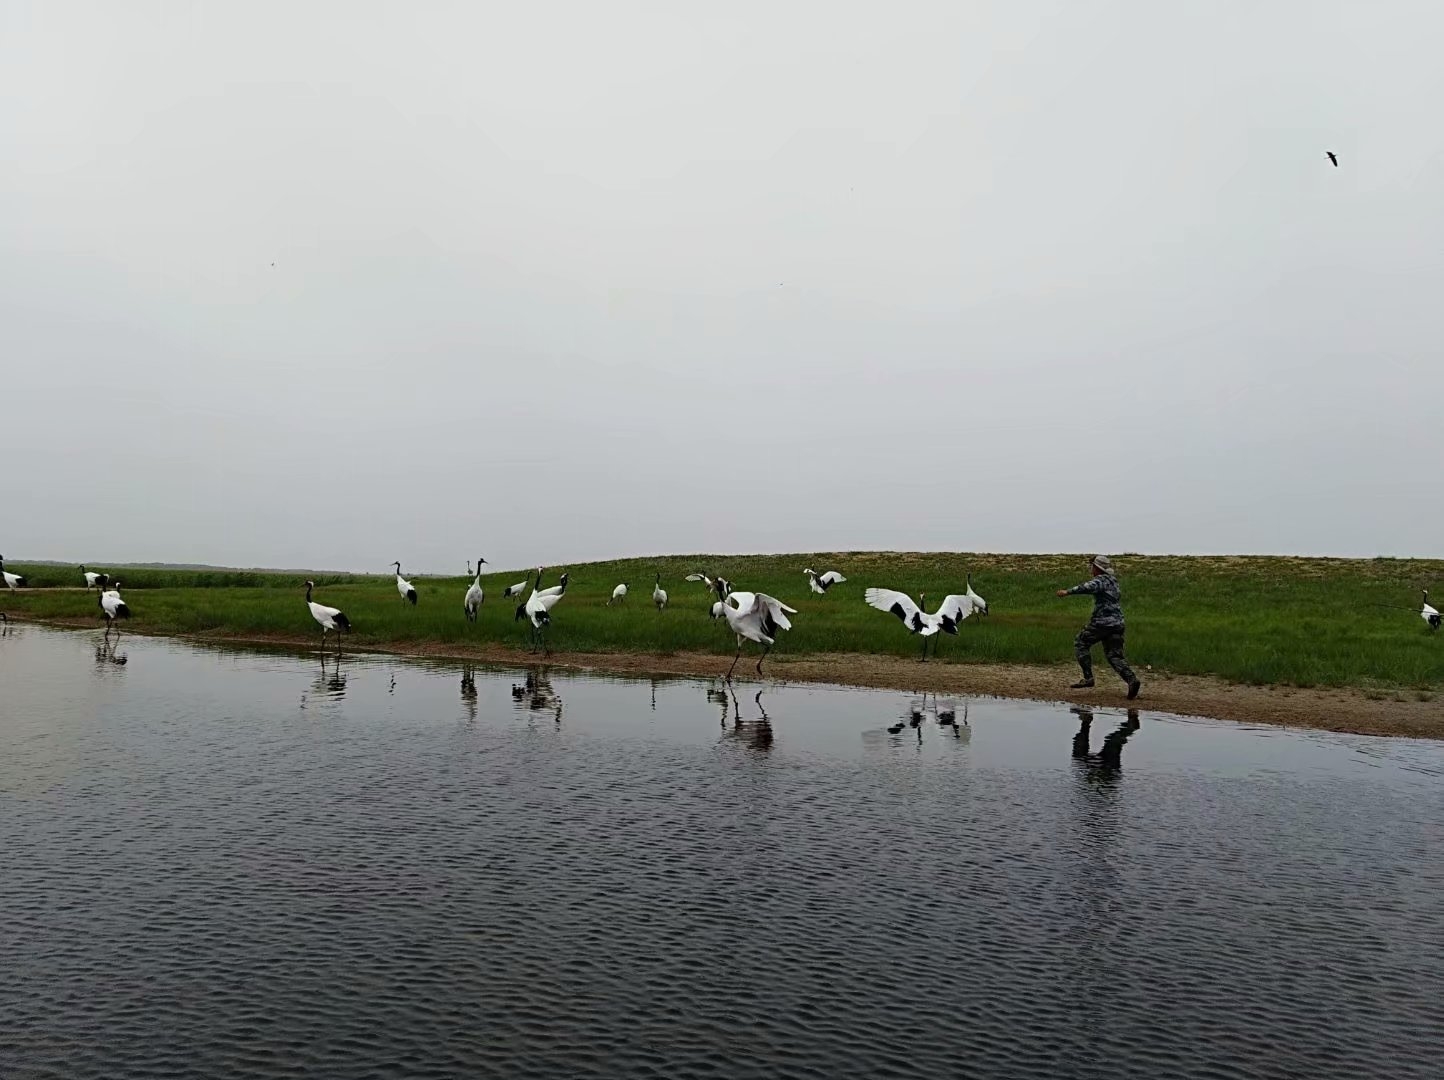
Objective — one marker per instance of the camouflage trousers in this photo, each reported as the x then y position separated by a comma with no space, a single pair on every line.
1112,639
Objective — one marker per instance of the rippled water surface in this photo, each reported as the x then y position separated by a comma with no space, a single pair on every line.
216,863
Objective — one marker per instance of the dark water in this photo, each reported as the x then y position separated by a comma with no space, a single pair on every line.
224,864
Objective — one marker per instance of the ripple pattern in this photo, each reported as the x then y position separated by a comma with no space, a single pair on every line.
208,879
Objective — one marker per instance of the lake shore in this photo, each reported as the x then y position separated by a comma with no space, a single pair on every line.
1340,709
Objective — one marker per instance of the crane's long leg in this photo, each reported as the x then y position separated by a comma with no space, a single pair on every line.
925,650
765,650
735,658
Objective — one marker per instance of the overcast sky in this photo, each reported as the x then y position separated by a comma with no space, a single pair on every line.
334,284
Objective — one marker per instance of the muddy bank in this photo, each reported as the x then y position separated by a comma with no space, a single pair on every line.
1342,709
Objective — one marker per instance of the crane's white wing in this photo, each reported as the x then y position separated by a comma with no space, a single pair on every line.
775,610
955,608
547,600
900,604
699,577
324,615
832,577
517,589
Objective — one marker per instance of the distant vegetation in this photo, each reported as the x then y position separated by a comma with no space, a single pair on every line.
1305,622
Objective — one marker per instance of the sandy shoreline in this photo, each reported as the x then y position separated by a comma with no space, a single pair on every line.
1336,709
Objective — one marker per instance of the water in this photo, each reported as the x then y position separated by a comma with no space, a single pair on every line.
216,863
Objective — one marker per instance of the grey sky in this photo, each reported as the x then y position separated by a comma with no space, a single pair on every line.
560,281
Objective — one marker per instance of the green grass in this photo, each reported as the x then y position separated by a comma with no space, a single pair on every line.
1303,622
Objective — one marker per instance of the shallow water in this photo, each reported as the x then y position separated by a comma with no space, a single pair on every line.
234,863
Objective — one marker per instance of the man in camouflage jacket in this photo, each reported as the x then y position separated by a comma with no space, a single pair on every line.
1106,626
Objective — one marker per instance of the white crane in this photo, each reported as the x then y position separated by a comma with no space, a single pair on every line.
659,594
1429,613
12,581
979,604
954,609
515,590
538,606
475,594
404,587
754,617
703,578
113,607
94,580
618,594
822,582
330,618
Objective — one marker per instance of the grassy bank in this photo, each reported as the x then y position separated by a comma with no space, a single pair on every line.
1267,621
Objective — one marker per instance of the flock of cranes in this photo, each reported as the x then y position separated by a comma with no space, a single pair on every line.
752,616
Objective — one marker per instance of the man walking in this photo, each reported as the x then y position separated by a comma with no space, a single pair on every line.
1106,626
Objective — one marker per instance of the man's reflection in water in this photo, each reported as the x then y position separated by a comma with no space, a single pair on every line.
755,734
1109,757
468,690
1093,962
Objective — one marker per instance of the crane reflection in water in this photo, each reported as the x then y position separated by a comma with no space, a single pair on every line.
943,714
535,695
330,681
105,653
755,733
468,691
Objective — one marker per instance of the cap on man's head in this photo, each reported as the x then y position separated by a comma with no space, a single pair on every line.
1104,563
